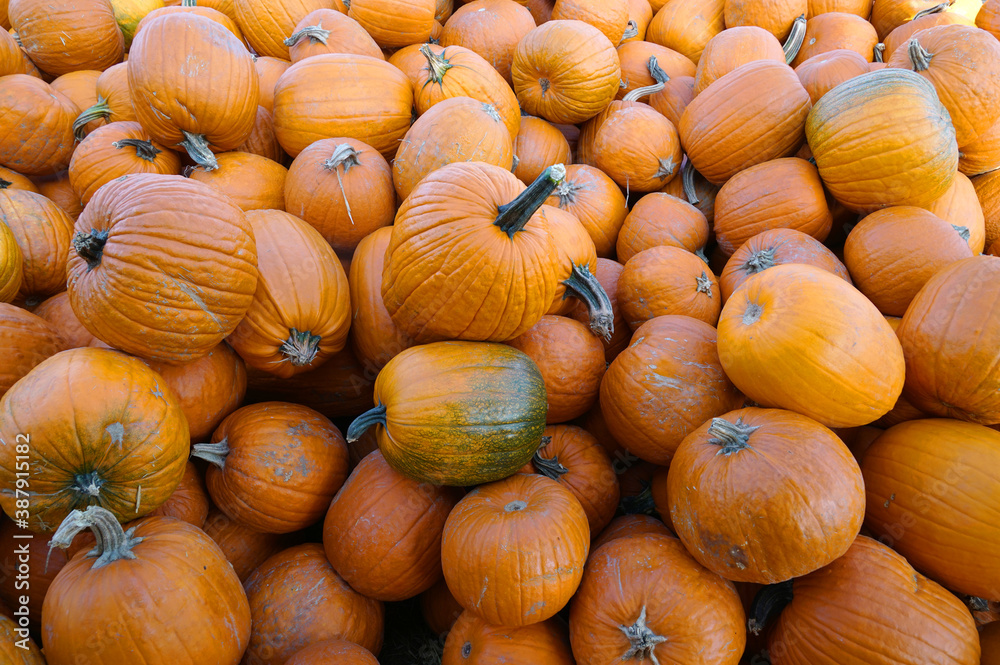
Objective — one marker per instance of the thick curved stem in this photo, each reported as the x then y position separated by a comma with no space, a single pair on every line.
631,30
301,347
936,9
144,149
315,33
113,542
548,466
197,148
768,604
878,53
371,417
99,111
513,216
963,232
437,65
687,182
90,246
795,38
642,640
656,71
919,56
214,453
583,285
759,261
730,437
638,93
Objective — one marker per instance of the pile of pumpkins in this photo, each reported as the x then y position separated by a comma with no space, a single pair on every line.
584,331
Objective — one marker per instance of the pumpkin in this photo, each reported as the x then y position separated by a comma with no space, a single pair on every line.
492,543
262,140
43,233
430,419
774,248
537,146
871,598
189,501
251,181
457,129
110,581
887,15
301,577
269,70
129,13
775,16
949,375
640,13
244,548
646,64
333,651
732,48
695,189
666,280
58,312
825,71
343,188
644,598
987,188
960,207
26,101
571,361
400,559
732,126
395,23
16,646
608,273
988,18
664,385
114,102
687,26
849,374
853,127
472,640
611,18
11,264
628,525
43,564
928,18
189,7
659,219
596,201
14,180
114,150
266,23
27,340
79,86
13,60
565,71
837,30
342,95
68,35
981,155
491,28
862,8
639,148
329,31
439,608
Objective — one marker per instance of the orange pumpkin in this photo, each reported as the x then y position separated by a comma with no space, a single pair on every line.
68,35
252,182
639,148
645,64
269,70
439,608
732,48
188,6
341,652
825,71
14,180
114,102
189,501
640,13
695,189
244,548
928,18
395,23
57,311
491,28
628,525
43,233
597,203
666,280
775,16
983,154
537,146
610,17
837,30
26,101
266,23
329,31
661,219
473,640
960,207
12,270
79,86
687,26
57,189
27,340
862,8
262,140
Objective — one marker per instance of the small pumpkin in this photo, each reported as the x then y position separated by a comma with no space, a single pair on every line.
775,16
639,148
114,102
266,24
439,608
262,140
244,548
43,233
14,180
960,207
68,35
596,201
837,30
27,340
695,189
15,647
646,64
537,146
269,70
79,86
823,72
491,28
472,640
733,47
58,311
927,18
628,525
666,280
26,101
329,31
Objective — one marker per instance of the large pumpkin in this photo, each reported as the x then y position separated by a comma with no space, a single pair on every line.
26,101
252,181
457,413
328,31
341,652
395,23
68,35
732,48
686,26
26,340
266,23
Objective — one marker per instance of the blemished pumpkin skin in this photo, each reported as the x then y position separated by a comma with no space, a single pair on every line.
666,280
851,372
639,148
395,23
472,640
341,652
68,35
262,140
837,30
26,341
297,578
890,275
203,278
329,31
360,97
244,548
597,203
14,648
870,607
675,610
492,545
275,466
58,311
122,414
251,181
897,111
823,72
629,525
687,26
491,28
215,622
732,48
637,71
949,375
43,563
774,248
457,413
608,272
457,129
901,35
26,101
660,219
269,70
13,180
574,457
11,264
799,489
611,18
732,126
565,71
189,501
400,559
960,207
665,385
114,102
114,150
43,233
537,146
571,360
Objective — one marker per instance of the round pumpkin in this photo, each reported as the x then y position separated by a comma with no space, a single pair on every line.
11,264
597,203
472,640
960,207
340,652
329,31
660,219
731,48
244,548
14,180
639,148
79,86
439,608
68,35
687,26
58,311
537,146
927,18
57,189
608,16
491,28
825,71
982,155
43,233
837,30
628,525
251,181
395,23
266,23
114,102
695,189
647,64
26,101
269,70
666,280
27,340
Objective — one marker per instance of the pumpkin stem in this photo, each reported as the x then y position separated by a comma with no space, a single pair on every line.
99,111
700,253
144,149
197,148
113,542
631,30
936,9
768,604
513,216
315,33
667,168
640,504
371,417
189,3
214,453
752,313
642,640
759,261
977,604
90,246
566,191
687,182
88,484
492,112
548,466
731,437
343,155
4,184
301,347
795,38
514,163
656,71
636,94
582,284
879,52
963,232
703,284
515,506
437,65
919,56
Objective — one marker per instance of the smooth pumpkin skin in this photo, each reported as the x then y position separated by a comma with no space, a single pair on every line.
870,607
628,525
269,70
989,641
253,182
11,264
79,86
333,652
43,569
472,640
799,489
960,207
28,101
982,155
849,373
57,311
26,341
862,8
68,35
733,47
825,71
300,578
43,232
400,559
665,280
124,623
661,219
13,180
698,612
948,374
395,23
837,30
686,26
244,548
775,16
665,385
343,35
13,650
538,145
513,551
597,203
611,18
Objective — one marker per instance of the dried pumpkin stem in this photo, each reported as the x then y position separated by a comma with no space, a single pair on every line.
640,504
656,71
936,9
99,111
631,30
315,33
214,453
343,155
703,284
4,184
566,191
548,466
88,484
768,604
144,149
642,640
878,53
197,148
90,246
919,56
795,38
963,232
371,417
687,183
583,285
301,347
437,65
977,604
639,93
513,216
759,261
730,437
113,542
666,168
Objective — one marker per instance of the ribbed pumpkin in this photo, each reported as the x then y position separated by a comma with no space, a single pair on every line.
57,189
753,114
596,201
341,652
204,278
638,148
610,17
401,558
17,648
262,140
665,280
837,30
733,48
189,500
628,525
11,264
661,219
26,341
473,640
251,181
395,23
665,385
825,71
928,18
266,23
26,101
960,207
687,26
179,109
13,59
491,28
114,102
492,544
983,154
849,373
608,273
58,311
79,86
188,6
775,16
987,188
537,146
131,433
244,548
853,127
948,374
43,233
646,64
13,180
68,35
328,31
